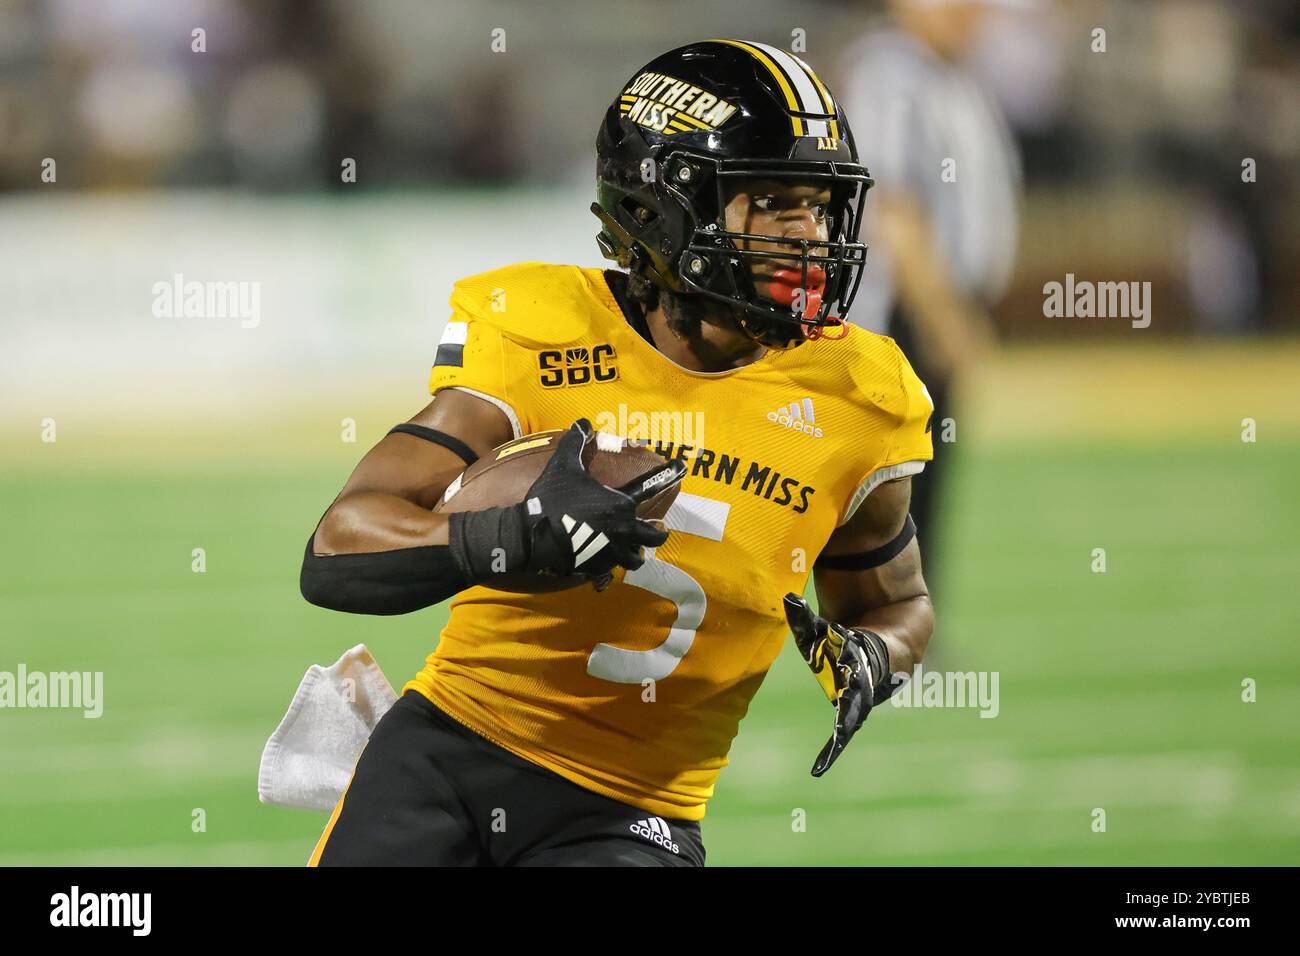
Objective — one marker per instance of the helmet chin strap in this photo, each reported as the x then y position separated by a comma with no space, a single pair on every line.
811,333
783,294
757,336
756,321
832,322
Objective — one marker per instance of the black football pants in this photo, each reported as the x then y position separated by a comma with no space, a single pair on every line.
428,791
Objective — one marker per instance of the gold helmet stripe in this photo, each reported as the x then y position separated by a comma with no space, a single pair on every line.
803,89
782,80
825,95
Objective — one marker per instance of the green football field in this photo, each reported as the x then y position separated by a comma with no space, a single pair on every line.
1119,691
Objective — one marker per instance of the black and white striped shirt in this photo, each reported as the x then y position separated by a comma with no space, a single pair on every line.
910,111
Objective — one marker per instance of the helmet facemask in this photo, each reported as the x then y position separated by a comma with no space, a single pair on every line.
715,263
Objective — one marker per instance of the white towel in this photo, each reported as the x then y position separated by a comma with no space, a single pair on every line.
308,761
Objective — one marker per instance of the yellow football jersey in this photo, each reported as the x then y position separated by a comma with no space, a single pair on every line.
637,692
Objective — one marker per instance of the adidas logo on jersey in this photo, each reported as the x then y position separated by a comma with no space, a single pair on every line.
579,533
797,415
655,829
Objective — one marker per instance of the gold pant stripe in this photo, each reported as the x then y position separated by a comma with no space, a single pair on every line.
329,827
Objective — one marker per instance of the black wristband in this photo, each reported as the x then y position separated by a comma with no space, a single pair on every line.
490,542
878,655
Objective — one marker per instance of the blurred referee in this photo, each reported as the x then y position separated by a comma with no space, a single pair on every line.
941,219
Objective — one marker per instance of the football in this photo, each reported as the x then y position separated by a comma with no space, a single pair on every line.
504,477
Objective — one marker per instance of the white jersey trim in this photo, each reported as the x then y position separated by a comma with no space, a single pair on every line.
903,469
509,412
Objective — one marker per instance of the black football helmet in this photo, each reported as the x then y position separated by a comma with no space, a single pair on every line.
704,114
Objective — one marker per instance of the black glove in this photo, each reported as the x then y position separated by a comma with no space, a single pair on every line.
851,665
567,523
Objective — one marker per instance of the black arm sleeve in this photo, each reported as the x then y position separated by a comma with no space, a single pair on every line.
381,582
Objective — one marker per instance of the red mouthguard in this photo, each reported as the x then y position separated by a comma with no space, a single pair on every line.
785,283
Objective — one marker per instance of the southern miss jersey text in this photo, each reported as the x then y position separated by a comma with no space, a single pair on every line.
636,692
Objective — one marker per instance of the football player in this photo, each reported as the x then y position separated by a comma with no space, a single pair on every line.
589,725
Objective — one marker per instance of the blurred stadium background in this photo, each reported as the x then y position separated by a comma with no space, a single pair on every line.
1119,691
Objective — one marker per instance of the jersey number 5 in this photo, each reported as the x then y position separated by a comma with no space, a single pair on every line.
690,514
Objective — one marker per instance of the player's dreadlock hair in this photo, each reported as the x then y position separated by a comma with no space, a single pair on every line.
642,291
685,313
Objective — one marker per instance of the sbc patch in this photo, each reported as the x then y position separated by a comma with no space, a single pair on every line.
559,368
